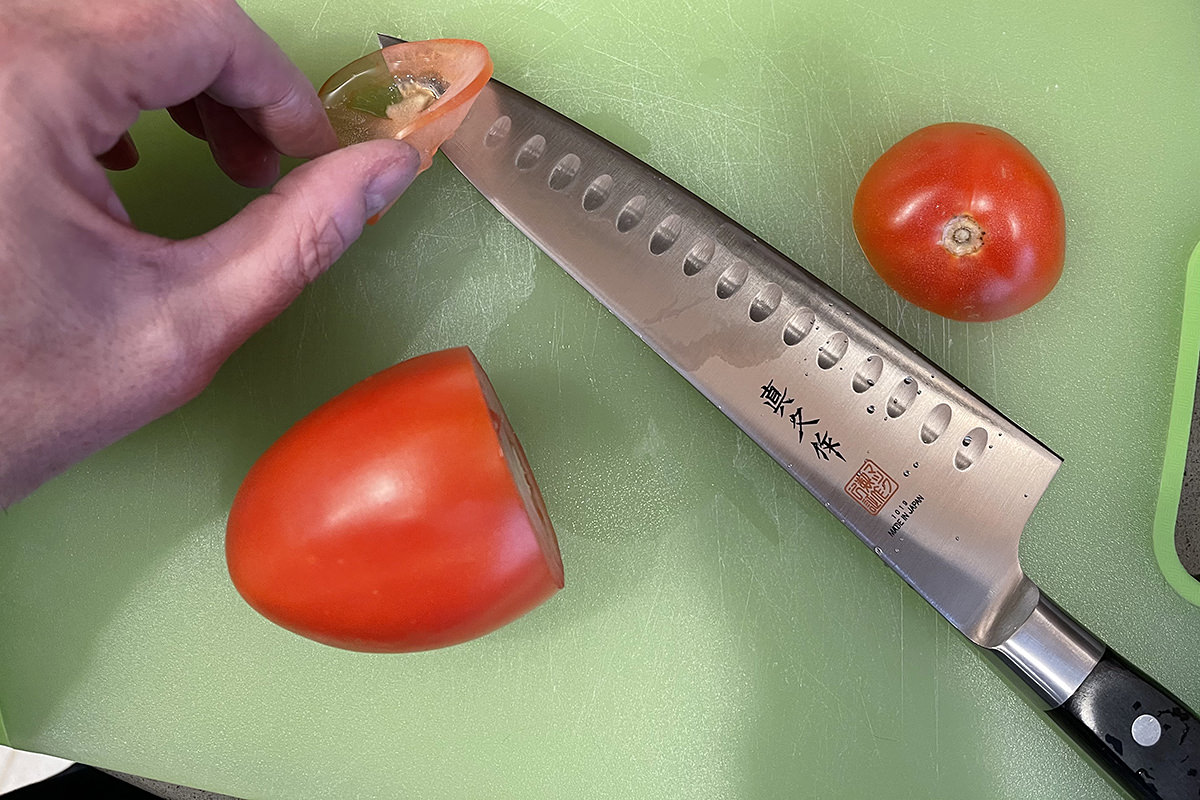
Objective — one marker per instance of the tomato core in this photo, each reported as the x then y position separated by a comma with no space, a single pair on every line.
963,236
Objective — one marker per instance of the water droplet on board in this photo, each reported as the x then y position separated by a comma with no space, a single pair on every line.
870,409
907,473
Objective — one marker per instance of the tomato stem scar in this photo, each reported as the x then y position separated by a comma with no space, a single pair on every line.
962,236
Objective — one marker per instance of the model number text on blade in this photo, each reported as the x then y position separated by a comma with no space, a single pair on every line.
903,513
780,402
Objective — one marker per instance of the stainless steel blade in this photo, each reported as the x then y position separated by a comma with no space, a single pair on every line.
931,477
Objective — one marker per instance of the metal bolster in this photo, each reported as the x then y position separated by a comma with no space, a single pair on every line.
1051,653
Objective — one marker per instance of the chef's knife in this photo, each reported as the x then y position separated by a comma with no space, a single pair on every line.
937,482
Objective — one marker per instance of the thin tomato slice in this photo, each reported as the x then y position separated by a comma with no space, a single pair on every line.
416,91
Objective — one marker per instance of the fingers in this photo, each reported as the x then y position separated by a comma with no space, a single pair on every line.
254,265
123,155
151,54
238,150
187,116
270,92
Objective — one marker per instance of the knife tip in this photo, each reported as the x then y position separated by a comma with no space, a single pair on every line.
387,40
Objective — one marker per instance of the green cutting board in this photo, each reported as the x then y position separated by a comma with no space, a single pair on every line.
719,636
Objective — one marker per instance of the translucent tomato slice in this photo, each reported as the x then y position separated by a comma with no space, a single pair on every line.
416,91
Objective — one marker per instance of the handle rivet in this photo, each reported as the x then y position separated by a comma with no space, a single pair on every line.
1146,730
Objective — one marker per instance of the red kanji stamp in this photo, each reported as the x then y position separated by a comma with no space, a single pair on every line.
871,487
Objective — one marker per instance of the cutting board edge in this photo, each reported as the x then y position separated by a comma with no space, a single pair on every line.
1178,433
3,732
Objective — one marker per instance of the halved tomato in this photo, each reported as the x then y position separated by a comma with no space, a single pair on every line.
401,515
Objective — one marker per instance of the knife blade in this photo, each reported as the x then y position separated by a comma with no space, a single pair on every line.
930,476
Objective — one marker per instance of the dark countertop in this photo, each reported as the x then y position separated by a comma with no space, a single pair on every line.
1187,524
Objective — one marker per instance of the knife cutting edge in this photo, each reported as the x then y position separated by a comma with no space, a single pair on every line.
931,477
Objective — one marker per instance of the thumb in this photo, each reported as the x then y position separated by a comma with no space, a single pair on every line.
255,264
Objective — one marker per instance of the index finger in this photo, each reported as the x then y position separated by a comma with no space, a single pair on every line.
270,92
152,54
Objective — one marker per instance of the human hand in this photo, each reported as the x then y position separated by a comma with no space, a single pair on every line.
104,328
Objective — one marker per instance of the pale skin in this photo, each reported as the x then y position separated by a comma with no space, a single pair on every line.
104,328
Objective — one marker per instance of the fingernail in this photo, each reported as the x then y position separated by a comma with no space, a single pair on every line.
390,183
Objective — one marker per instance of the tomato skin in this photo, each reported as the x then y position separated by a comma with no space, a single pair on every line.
951,171
391,520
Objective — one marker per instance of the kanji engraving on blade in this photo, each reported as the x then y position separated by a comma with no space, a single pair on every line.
825,446
798,421
775,398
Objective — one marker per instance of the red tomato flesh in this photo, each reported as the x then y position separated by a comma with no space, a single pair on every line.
962,220
402,515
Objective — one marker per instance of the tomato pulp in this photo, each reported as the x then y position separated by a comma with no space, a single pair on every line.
962,220
401,515
416,91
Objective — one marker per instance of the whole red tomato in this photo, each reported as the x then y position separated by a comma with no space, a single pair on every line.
962,220
399,516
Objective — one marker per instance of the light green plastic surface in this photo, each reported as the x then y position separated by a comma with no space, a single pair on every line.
1178,435
720,636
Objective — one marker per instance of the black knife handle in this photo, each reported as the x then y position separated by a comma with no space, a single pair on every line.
1146,738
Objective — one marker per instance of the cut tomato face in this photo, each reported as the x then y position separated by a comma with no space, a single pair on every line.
416,91
402,515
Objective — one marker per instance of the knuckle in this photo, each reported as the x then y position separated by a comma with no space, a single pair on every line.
319,242
216,10
184,364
